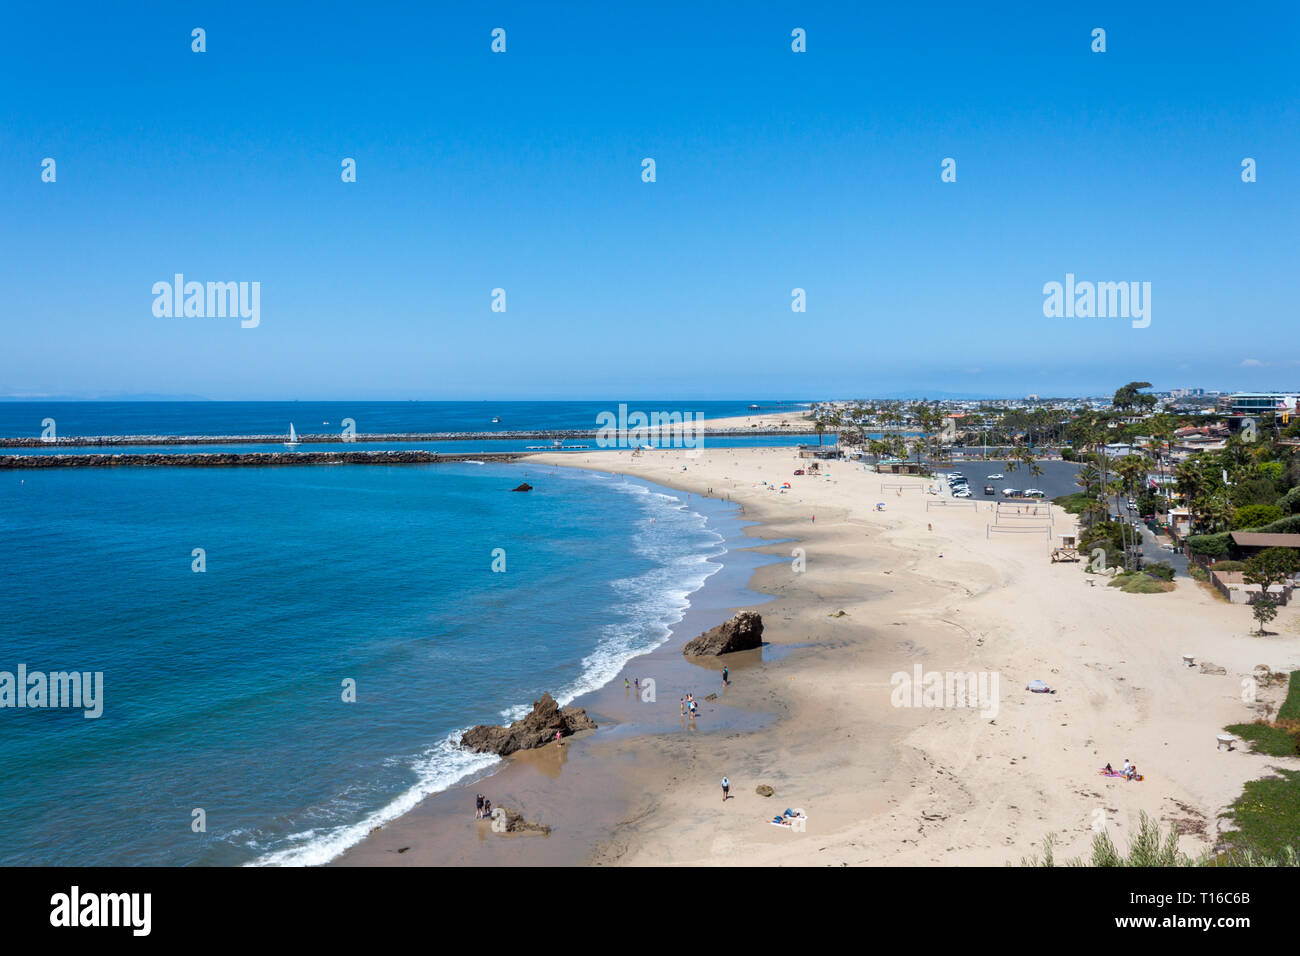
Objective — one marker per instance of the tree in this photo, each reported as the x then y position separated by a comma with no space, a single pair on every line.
1129,397
1272,566
1265,609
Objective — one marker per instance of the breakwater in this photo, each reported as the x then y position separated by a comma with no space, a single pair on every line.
334,437
235,459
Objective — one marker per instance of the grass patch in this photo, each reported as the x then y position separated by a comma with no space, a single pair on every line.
1266,815
1266,738
1074,503
1138,582
1151,846
1290,709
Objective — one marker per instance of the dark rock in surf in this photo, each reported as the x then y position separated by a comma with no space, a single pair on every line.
742,633
537,729
524,487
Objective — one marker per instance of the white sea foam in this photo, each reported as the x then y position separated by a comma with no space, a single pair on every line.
653,601
437,769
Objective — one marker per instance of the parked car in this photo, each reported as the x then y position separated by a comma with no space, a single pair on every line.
988,489
798,471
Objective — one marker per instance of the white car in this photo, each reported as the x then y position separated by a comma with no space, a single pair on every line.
996,477
961,493
1034,493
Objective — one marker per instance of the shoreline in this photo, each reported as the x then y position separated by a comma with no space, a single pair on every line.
898,785
882,784
584,803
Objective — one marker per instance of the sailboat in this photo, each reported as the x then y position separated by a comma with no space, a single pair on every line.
293,438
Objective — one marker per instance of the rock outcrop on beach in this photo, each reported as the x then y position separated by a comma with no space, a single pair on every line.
742,633
524,487
535,730
515,823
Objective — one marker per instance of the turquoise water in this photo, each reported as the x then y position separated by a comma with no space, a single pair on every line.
222,689
24,418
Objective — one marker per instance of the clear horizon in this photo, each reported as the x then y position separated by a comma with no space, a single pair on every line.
522,171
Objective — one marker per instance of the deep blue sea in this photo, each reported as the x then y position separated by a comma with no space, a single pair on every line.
223,689
21,419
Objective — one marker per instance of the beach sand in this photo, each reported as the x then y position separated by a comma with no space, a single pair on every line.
883,784
814,717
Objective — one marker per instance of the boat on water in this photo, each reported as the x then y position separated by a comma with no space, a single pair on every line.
496,420
293,438
753,408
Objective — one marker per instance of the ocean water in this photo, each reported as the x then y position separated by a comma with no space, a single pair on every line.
21,419
223,689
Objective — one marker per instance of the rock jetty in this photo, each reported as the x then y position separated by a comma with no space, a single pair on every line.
237,459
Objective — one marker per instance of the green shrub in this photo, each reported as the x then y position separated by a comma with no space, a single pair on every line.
1290,502
1210,545
1255,491
1229,565
1074,503
1136,582
1161,570
1254,516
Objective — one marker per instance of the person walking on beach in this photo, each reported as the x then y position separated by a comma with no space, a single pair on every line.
724,676
726,785
478,806
487,808
683,703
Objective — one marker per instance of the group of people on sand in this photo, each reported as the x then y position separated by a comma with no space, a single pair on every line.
1129,771
689,706
482,807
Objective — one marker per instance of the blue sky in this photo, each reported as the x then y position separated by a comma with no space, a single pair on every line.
522,171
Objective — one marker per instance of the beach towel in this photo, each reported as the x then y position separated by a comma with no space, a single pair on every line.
1116,773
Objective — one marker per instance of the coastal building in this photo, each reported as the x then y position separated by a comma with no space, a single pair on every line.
1253,404
1180,522
1252,542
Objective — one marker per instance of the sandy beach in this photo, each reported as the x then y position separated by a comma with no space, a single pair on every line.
887,780
884,784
